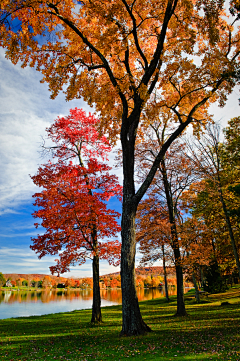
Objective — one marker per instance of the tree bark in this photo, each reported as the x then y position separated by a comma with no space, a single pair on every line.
133,323
181,311
202,278
196,288
96,306
165,274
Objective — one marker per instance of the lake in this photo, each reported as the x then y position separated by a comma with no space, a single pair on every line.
29,303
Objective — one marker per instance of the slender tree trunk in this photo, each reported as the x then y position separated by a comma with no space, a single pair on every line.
181,311
203,281
202,278
96,306
230,231
196,288
133,323
165,274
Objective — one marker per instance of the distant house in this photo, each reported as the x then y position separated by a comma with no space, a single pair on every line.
8,283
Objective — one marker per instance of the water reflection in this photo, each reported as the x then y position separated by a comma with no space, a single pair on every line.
46,296
26,303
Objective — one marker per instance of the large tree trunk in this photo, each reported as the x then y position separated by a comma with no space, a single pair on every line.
96,306
165,274
133,323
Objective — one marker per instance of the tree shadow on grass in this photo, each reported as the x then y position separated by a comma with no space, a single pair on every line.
209,332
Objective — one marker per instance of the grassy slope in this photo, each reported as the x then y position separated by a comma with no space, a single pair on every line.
210,332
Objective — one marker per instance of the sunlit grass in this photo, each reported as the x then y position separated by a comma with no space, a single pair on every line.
209,332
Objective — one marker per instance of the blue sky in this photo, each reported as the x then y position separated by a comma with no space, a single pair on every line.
25,111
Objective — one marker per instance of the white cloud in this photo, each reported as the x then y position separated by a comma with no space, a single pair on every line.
230,110
25,112
20,225
24,260
9,211
16,235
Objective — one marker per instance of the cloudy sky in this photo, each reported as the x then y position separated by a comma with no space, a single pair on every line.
25,111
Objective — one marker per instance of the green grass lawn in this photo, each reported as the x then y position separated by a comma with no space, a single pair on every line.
210,332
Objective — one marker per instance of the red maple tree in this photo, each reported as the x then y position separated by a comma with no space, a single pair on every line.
72,205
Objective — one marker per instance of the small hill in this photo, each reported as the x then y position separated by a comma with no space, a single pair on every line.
140,271
145,271
155,271
31,276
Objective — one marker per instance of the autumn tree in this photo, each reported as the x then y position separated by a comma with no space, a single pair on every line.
72,205
130,59
35,281
197,248
232,142
153,234
2,280
210,160
203,203
231,161
174,175
77,284
139,282
19,281
70,283
47,282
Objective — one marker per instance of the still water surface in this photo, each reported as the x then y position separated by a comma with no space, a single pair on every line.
29,303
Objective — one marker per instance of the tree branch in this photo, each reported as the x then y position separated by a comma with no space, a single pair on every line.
134,31
92,47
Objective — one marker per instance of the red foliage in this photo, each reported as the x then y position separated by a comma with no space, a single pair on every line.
115,283
76,186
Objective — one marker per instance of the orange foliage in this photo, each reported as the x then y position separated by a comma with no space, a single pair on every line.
110,52
47,282
135,62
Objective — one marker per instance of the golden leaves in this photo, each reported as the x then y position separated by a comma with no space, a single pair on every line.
70,43
143,92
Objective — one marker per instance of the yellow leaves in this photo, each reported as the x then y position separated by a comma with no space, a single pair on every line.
68,61
143,92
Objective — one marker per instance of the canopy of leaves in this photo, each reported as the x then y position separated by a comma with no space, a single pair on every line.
169,55
214,198
75,187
